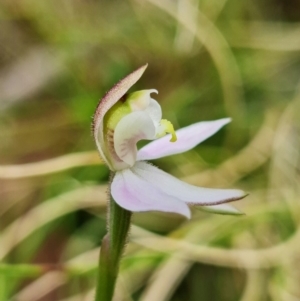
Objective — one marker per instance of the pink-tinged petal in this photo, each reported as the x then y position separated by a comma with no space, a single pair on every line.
110,98
187,138
187,193
137,195
225,209
131,129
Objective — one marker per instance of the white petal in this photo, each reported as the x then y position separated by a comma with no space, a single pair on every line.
185,192
137,195
140,100
109,99
154,111
221,209
131,129
187,138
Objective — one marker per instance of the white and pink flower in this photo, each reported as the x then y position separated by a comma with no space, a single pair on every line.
120,121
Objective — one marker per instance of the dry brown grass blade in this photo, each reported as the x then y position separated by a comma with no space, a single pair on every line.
218,48
234,258
94,196
266,35
49,166
54,279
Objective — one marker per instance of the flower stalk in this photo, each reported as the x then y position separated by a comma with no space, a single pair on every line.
112,248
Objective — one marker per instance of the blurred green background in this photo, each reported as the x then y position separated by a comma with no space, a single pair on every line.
208,59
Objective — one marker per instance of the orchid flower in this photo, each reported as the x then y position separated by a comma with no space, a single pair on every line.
120,121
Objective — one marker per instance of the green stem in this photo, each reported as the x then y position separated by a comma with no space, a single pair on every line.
3,286
112,248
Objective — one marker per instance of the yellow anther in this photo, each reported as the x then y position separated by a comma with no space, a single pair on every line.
168,128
